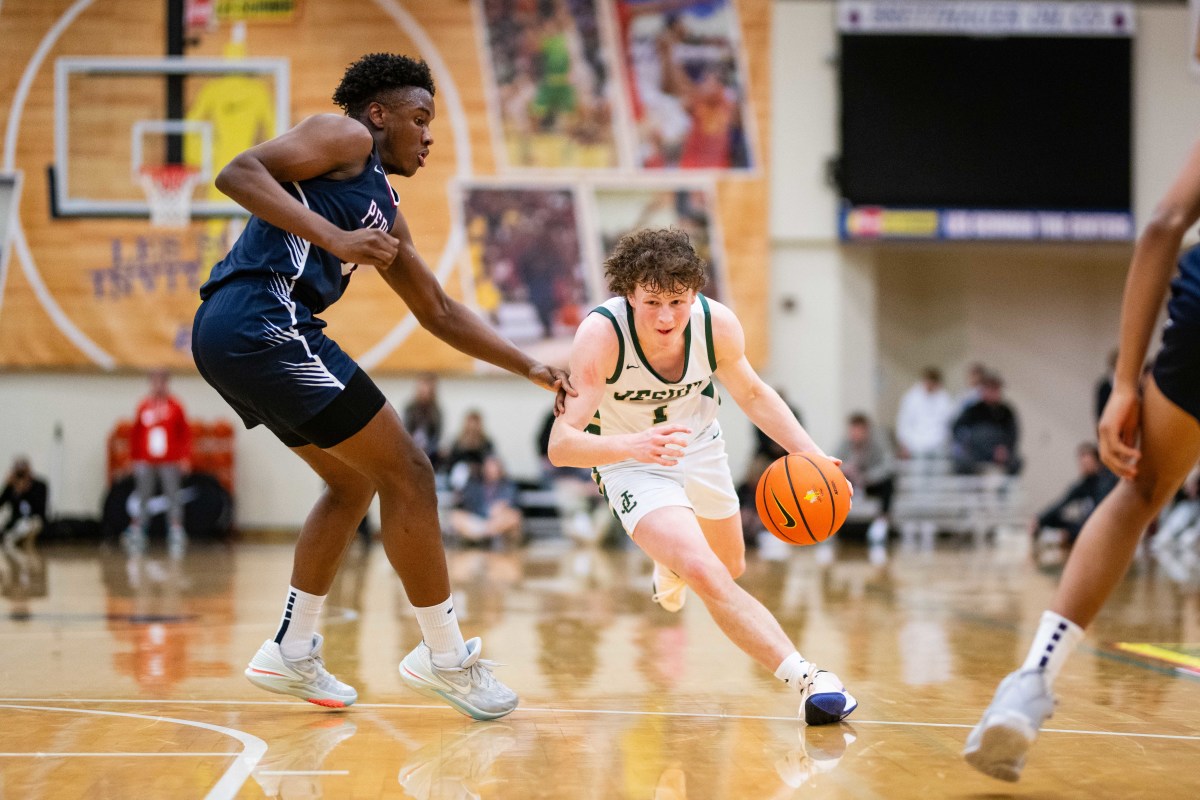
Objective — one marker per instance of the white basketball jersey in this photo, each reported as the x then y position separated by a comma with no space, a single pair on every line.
636,397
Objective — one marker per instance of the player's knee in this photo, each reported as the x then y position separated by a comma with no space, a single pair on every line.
409,475
706,575
1150,489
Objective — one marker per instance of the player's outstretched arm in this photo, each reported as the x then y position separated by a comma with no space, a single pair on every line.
453,322
1150,272
762,404
593,359
326,145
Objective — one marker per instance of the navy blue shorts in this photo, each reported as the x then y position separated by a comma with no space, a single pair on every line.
269,357
1177,366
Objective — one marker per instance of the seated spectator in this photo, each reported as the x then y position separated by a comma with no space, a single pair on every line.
24,497
923,421
423,418
752,524
1070,511
486,506
1180,522
581,508
764,444
870,465
986,434
976,372
468,450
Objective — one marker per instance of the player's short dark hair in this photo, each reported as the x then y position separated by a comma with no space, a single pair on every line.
660,260
377,73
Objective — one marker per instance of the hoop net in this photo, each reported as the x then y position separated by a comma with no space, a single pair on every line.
168,189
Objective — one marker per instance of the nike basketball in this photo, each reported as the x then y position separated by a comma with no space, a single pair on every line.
803,498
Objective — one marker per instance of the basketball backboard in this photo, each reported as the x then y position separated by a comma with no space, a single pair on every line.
110,123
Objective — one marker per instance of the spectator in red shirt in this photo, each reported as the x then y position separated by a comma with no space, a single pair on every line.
160,447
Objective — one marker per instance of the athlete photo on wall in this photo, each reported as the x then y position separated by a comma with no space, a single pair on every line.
688,207
686,83
549,88
525,269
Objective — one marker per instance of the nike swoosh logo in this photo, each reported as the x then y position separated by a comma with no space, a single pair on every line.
632,366
791,521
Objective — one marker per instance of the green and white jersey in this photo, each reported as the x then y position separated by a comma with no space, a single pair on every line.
636,397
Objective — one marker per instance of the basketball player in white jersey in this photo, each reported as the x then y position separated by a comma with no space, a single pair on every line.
645,418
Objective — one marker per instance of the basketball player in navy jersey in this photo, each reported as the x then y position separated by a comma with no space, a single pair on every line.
645,417
322,206
1149,437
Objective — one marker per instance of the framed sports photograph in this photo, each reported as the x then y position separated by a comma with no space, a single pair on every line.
685,78
549,86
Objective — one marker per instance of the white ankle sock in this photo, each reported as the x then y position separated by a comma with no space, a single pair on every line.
299,623
794,671
1056,637
439,629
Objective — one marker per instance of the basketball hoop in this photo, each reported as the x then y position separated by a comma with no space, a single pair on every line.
169,190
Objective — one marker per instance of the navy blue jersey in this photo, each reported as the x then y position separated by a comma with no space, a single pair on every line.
1184,305
317,277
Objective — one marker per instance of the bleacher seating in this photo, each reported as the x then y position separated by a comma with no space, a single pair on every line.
975,504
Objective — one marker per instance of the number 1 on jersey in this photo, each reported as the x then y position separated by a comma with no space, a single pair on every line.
660,415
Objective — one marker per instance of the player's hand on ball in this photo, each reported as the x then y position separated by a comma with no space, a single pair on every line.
662,444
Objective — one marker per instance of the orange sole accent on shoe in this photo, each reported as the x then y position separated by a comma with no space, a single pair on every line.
326,703
267,672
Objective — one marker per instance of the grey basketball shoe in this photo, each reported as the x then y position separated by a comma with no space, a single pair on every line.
998,744
305,678
469,688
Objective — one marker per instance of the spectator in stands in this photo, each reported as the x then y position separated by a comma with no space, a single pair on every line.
923,422
486,507
160,446
1070,511
468,450
870,465
752,524
1180,522
24,497
765,445
1104,386
975,375
986,433
581,508
423,418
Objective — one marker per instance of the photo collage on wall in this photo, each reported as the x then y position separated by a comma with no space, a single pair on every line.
606,116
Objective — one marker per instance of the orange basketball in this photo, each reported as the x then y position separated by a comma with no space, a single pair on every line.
803,498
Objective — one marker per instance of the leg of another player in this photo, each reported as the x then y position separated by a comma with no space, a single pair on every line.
442,665
1170,445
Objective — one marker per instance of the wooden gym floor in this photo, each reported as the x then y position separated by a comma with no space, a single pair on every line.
122,678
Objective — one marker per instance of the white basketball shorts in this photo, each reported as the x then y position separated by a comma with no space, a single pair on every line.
700,480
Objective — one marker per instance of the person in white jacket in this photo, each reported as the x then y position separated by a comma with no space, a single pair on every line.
923,422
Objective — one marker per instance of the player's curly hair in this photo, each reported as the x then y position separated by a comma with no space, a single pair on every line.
376,73
660,260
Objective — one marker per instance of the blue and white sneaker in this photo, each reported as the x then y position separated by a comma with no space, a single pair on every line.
825,700
469,688
998,744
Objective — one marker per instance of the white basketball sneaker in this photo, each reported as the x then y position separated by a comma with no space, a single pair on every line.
998,744
469,688
824,700
669,590
305,677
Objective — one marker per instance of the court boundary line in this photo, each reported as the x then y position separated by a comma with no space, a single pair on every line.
4,703
231,781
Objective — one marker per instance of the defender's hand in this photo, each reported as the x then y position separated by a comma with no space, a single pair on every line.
556,380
